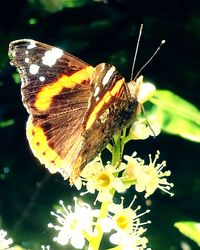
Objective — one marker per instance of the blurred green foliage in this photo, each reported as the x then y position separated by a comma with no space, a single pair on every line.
176,115
190,229
102,31
6,123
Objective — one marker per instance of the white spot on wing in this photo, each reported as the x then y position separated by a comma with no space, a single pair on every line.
26,52
31,45
50,57
96,92
33,69
108,75
42,78
26,60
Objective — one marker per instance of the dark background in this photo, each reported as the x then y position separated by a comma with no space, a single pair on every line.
96,32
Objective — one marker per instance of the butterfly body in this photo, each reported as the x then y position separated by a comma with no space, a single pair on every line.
74,108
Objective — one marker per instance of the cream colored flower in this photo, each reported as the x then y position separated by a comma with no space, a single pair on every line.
127,226
134,166
45,247
133,241
72,224
148,177
141,130
155,128
102,179
5,244
147,90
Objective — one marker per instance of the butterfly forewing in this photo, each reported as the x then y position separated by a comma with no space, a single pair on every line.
43,67
55,90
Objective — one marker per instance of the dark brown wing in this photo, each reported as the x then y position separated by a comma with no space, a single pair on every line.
111,107
55,91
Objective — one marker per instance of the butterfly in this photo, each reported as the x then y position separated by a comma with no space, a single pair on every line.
74,108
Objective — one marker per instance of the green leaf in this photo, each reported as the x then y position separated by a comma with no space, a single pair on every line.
75,3
16,78
32,21
16,247
176,115
53,6
115,248
6,123
191,229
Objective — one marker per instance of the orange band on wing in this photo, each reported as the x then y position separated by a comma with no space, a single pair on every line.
46,94
106,98
39,145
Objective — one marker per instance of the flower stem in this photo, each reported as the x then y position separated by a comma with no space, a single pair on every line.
98,233
116,153
95,240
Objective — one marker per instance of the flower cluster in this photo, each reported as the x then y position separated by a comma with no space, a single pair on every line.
84,223
145,177
5,243
76,226
149,177
102,178
73,225
128,229
45,247
123,224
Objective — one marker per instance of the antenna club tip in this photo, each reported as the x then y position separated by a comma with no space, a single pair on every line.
163,41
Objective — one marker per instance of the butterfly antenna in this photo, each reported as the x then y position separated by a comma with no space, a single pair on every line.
162,42
136,51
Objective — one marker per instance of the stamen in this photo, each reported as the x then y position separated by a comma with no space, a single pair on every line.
134,198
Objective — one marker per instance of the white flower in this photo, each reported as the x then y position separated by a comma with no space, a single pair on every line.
102,179
73,224
155,127
148,177
134,166
141,129
128,228
147,90
45,247
133,241
5,244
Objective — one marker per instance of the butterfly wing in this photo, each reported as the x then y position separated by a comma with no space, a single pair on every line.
111,107
55,91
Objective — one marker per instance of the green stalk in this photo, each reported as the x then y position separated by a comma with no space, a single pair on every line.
116,153
95,241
